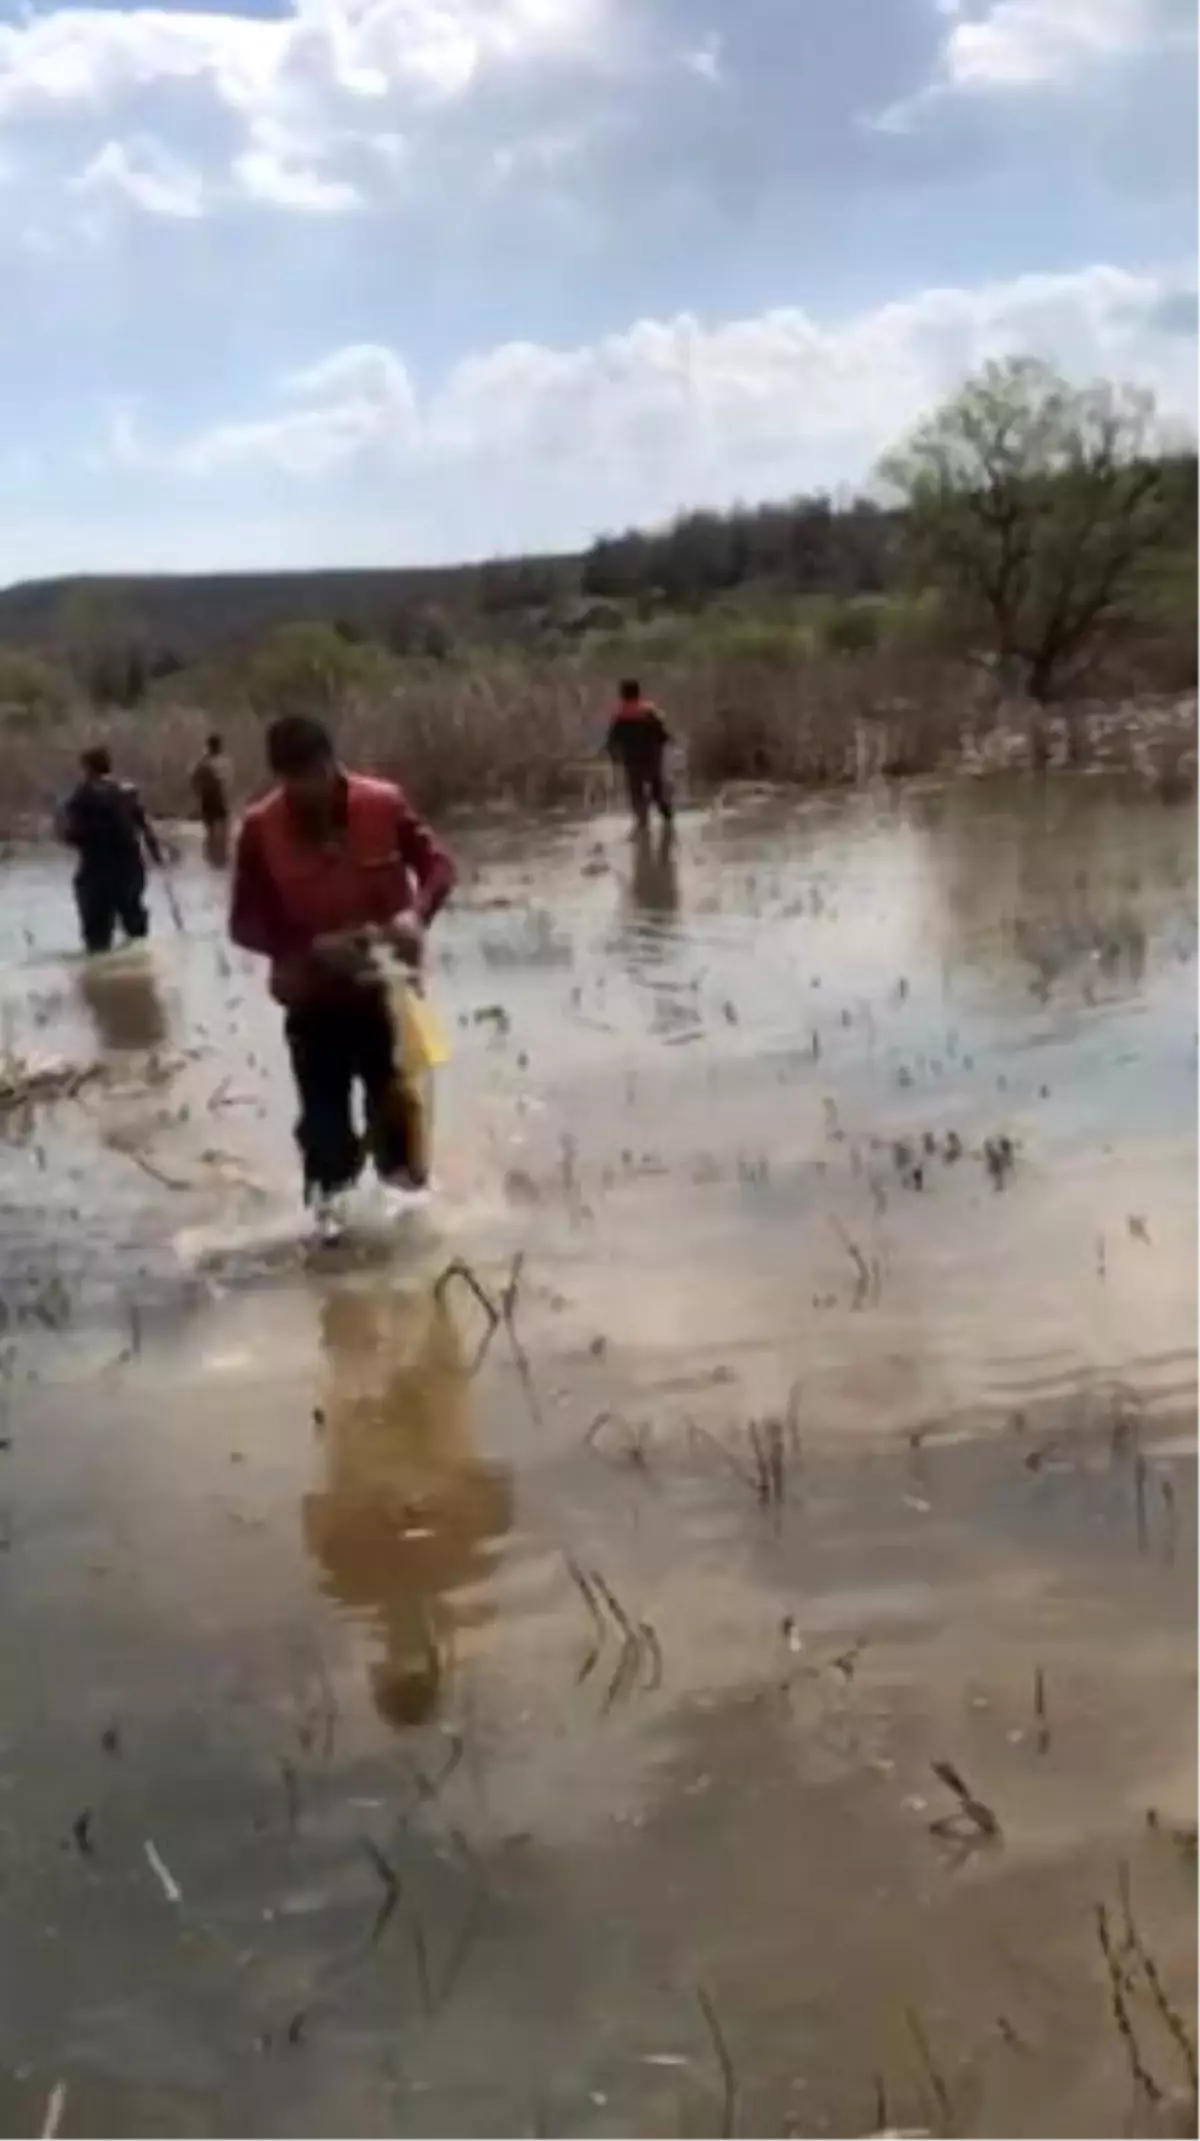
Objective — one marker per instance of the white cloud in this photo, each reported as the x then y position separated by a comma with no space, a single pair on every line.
1015,45
357,402
85,55
532,445
705,59
81,54
1021,42
146,174
275,172
260,105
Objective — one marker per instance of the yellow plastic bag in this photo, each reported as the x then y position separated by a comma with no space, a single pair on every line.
419,1047
423,1045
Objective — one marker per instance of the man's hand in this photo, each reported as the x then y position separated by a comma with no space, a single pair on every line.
348,952
406,938
345,952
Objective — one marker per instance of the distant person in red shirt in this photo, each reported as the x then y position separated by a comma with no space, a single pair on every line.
327,865
637,743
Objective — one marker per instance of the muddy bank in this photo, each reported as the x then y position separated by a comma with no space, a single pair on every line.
545,1739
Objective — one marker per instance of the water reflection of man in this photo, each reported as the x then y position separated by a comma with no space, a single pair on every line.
408,1514
654,884
124,1004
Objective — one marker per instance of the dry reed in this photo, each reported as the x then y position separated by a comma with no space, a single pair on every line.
528,734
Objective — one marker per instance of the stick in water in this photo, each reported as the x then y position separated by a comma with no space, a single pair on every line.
172,898
170,1886
55,2106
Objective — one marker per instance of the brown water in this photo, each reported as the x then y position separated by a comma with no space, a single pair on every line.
542,1742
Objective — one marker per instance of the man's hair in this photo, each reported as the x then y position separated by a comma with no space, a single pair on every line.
629,688
297,744
213,745
96,760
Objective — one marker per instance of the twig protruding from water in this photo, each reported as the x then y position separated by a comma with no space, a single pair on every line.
863,1276
640,1651
390,1882
1041,1711
1168,2013
728,2073
982,1819
162,1873
1118,1988
931,2072
56,2104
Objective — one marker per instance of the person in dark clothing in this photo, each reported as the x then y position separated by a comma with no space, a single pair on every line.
104,821
331,872
637,743
210,785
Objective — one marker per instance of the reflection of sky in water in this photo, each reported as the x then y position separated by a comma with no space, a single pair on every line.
1018,958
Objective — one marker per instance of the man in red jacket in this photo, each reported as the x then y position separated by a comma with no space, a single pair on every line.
637,742
327,865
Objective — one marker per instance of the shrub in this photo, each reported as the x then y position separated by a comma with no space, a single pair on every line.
32,694
310,669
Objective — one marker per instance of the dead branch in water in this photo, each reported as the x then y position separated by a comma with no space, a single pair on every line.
499,1310
22,1085
979,1817
1118,1987
770,1463
633,1451
1141,1474
1167,1489
512,1287
1041,1711
56,2104
728,2073
148,1167
390,1882
639,1655
863,1273
1168,2013
931,2072
458,1269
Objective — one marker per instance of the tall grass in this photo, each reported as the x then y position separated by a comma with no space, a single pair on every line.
523,733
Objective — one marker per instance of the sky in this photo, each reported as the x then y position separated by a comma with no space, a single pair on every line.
341,282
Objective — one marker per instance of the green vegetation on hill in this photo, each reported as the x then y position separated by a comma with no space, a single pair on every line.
1029,526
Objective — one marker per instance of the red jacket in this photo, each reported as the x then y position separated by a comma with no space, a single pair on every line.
637,733
289,889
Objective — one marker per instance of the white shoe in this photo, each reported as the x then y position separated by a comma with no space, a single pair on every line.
401,1195
329,1215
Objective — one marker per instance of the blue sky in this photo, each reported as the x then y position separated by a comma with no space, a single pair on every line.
356,281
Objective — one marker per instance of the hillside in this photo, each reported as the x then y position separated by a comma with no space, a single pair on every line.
802,573
801,547
199,615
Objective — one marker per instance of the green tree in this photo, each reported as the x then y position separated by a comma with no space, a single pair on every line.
852,627
32,694
1031,504
308,668
105,643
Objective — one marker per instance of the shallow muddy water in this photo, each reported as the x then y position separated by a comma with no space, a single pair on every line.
405,1733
